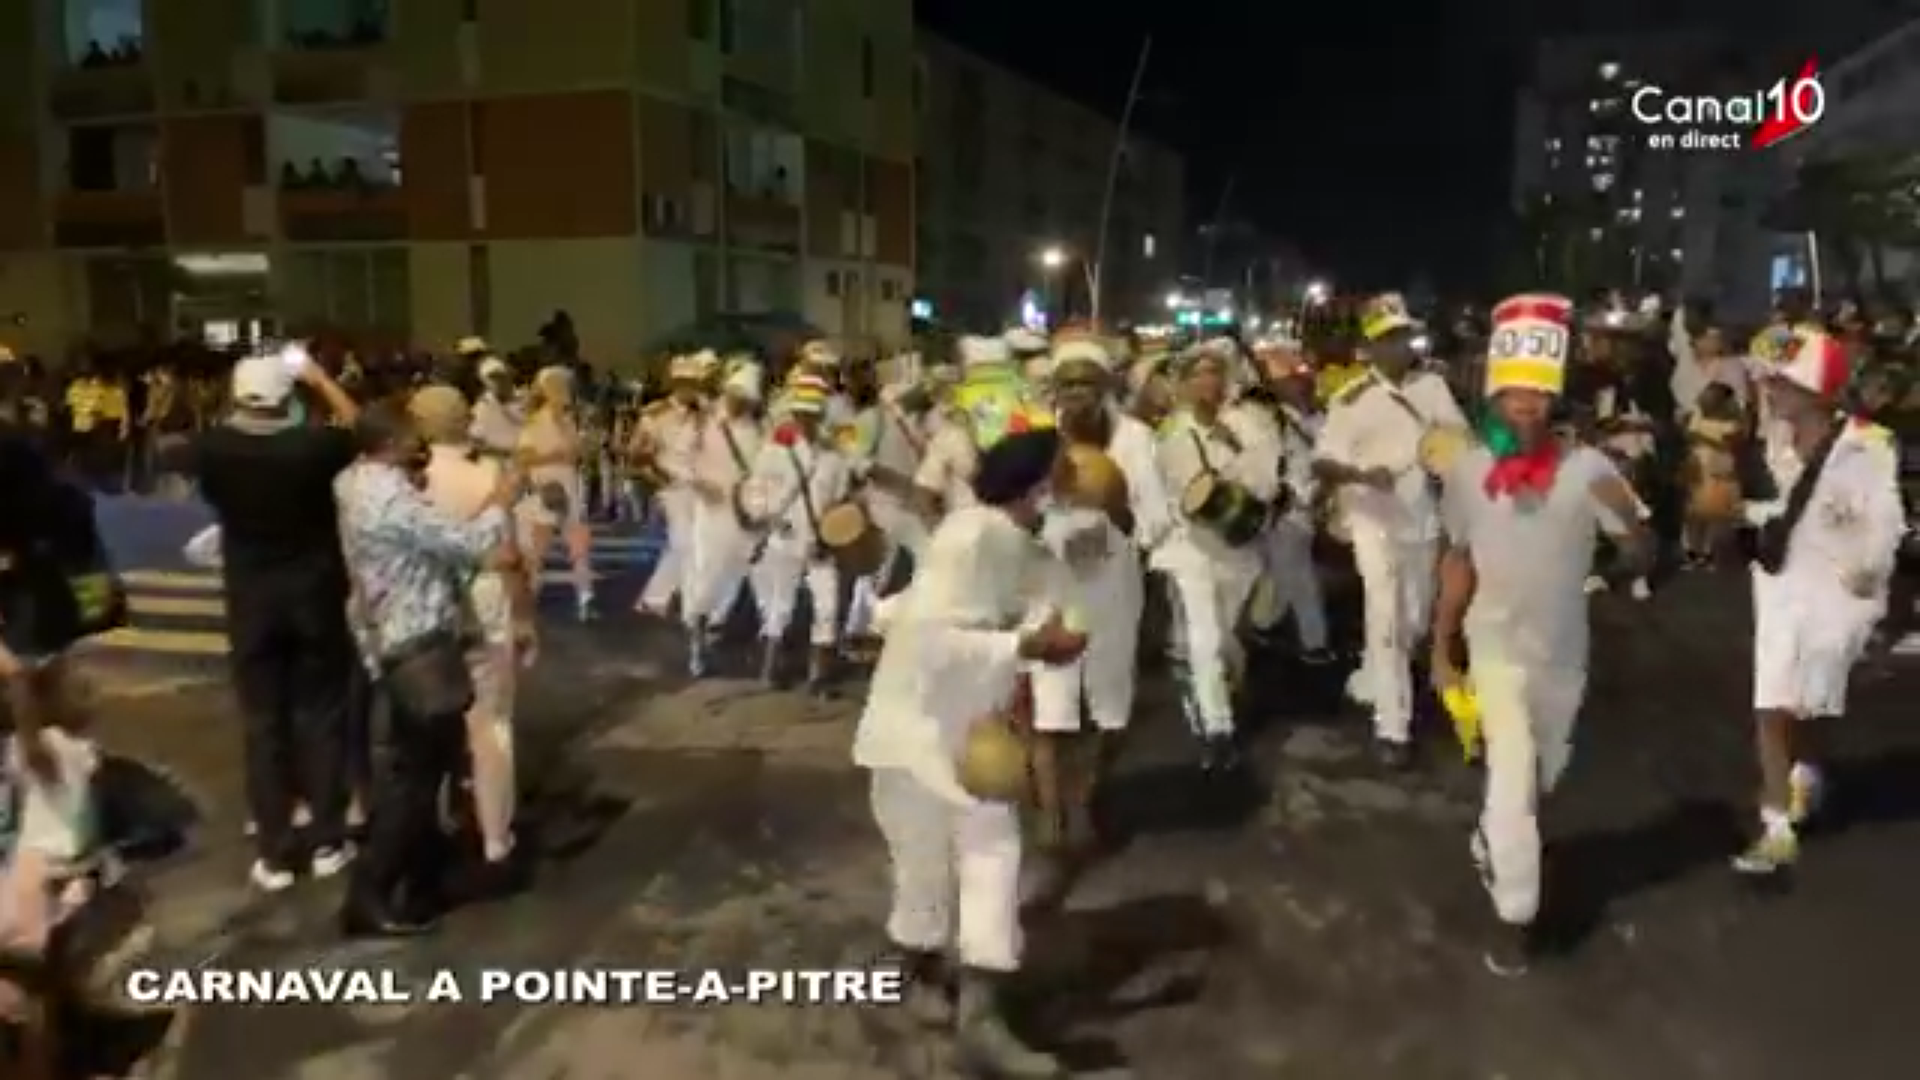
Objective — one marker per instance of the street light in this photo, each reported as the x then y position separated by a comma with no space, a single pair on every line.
1053,258
1316,292
1175,301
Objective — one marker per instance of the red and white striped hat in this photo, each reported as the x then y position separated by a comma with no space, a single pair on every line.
1813,360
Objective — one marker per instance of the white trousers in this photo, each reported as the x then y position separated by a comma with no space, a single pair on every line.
1104,677
783,570
669,574
947,856
1398,576
1288,558
1526,719
1207,597
1806,639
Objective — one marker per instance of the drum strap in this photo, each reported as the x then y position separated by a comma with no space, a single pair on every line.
806,492
733,447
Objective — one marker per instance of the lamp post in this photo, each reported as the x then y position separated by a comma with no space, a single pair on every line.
1096,268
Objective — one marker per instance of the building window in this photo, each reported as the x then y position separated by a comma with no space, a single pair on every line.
470,10
866,68
700,19
1148,245
726,26
833,283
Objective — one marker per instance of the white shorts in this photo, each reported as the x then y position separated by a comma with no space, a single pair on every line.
1803,655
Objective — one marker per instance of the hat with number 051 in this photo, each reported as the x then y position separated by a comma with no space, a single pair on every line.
1527,349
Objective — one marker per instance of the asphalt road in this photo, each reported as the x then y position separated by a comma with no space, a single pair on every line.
1322,926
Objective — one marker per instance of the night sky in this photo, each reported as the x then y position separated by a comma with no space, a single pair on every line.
1330,116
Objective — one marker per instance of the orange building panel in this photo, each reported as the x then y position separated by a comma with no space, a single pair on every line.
558,165
434,149
208,164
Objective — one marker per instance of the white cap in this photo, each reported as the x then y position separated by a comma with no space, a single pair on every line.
493,366
821,352
1022,340
984,351
263,382
1082,350
746,381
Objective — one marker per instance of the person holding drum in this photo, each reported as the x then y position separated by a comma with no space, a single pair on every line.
1222,463
724,539
958,642
1370,452
662,452
1292,580
890,441
798,478
1522,514
1113,507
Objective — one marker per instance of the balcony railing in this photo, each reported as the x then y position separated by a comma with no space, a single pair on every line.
757,222
109,219
83,93
324,215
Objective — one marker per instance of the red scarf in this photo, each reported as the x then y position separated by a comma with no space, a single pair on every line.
1531,472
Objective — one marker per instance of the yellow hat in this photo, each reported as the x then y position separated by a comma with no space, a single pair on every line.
807,394
1527,349
472,346
1383,315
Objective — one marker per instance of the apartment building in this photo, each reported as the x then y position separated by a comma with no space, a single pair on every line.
1010,184
418,171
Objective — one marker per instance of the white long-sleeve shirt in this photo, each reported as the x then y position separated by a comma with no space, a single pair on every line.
774,491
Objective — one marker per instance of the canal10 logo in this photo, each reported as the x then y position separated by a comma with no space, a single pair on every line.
1750,121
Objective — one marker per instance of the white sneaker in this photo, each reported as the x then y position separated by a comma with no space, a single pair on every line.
330,861
1641,590
1596,584
267,879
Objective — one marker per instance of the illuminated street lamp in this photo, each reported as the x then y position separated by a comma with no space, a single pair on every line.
1053,258
1317,292
1175,301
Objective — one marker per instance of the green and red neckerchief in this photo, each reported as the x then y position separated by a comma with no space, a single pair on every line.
1518,472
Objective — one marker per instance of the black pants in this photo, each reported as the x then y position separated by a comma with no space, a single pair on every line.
398,873
292,668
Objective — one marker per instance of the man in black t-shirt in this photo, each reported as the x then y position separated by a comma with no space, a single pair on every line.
269,478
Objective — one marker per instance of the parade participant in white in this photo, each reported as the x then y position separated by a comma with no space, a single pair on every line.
1100,544
956,642
796,477
1370,450
1210,580
1824,558
663,449
551,449
1522,515
889,439
1292,581
498,414
945,476
728,444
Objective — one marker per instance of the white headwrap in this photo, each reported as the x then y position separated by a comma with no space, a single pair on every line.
1073,350
984,352
1019,339
746,381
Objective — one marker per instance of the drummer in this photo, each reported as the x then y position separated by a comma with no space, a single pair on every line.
721,555
662,448
1103,523
889,442
797,476
1208,439
1290,569
1369,450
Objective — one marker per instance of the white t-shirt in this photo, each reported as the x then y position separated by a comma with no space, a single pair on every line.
1532,558
56,820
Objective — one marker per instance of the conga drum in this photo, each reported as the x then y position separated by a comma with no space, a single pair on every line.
1225,507
848,533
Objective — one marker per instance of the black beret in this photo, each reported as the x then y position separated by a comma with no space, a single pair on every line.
1011,468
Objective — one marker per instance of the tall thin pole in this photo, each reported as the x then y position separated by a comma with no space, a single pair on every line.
1213,230
1096,272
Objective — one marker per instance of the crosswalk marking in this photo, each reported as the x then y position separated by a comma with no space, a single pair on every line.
208,607
181,613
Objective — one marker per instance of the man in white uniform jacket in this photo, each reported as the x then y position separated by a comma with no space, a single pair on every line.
1209,580
1100,546
1825,559
957,640
1370,450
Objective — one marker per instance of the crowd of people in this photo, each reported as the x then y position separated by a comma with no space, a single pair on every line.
988,530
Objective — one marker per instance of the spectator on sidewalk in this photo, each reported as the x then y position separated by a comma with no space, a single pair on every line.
411,563
268,478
